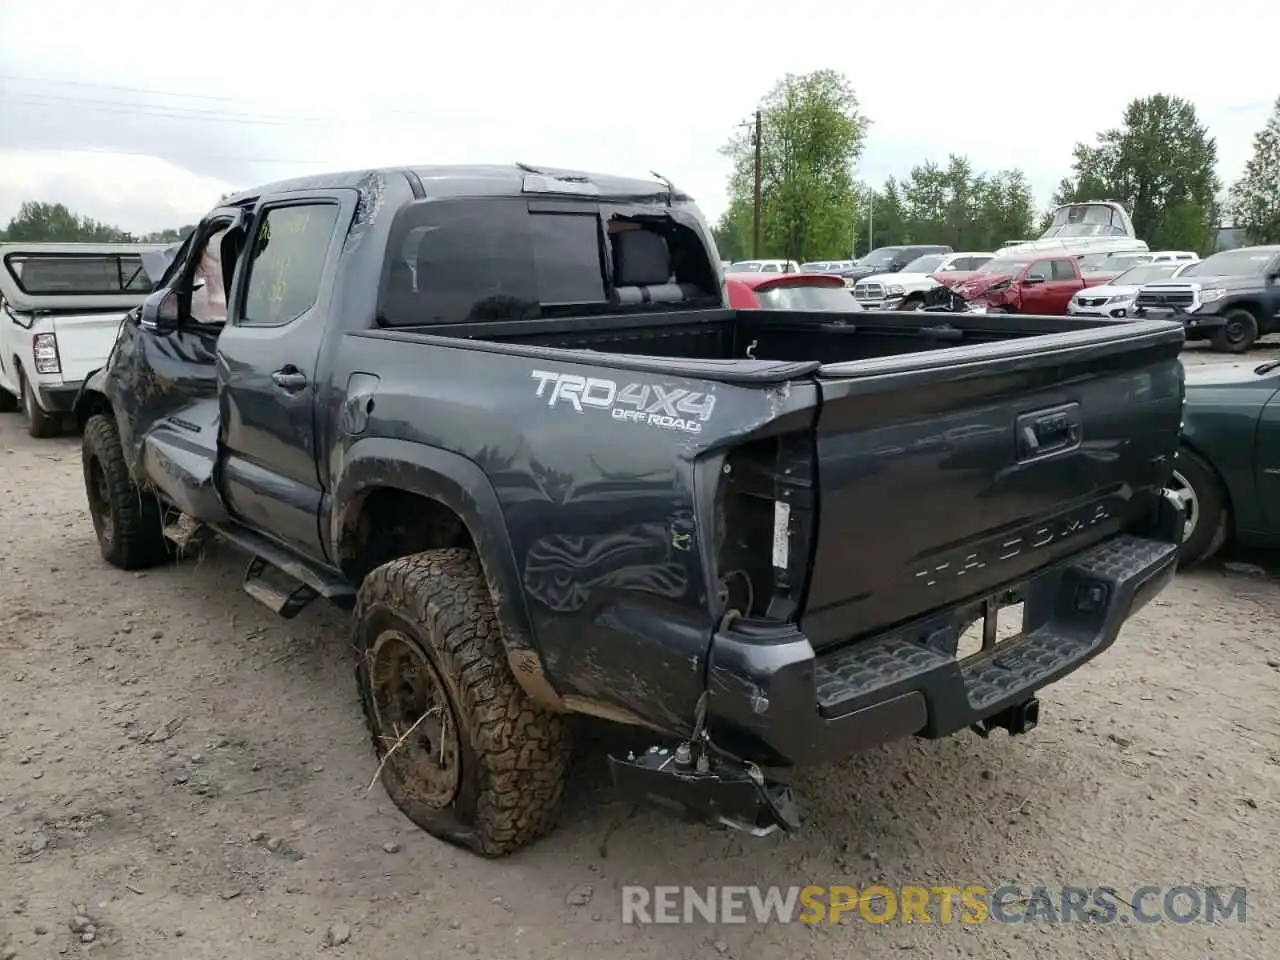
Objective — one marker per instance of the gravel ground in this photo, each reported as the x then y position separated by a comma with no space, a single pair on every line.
192,774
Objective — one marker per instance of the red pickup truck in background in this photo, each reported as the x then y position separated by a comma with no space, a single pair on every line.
1037,285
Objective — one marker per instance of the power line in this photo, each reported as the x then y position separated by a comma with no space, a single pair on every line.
160,111
172,94
109,86
158,156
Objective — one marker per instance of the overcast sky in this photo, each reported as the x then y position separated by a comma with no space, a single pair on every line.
142,114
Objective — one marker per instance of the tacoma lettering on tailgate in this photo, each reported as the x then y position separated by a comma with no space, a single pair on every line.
672,408
1026,541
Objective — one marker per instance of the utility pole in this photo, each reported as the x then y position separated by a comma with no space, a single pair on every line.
871,221
759,198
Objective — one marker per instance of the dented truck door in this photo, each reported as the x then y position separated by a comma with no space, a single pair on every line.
162,376
268,373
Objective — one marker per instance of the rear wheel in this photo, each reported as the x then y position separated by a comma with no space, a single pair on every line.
128,522
1238,332
39,423
1205,506
464,753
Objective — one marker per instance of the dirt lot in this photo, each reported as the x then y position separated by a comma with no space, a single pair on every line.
193,773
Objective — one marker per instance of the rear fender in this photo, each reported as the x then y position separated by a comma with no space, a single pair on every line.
91,398
460,485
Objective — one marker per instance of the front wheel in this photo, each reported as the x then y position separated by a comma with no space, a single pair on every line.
1204,505
39,423
128,522
1238,332
464,753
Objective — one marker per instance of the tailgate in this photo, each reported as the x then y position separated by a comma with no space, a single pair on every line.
943,475
84,342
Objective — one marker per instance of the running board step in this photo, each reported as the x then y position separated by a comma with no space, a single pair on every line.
186,533
296,582
288,601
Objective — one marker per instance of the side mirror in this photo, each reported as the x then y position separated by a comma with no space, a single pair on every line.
160,311
1032,280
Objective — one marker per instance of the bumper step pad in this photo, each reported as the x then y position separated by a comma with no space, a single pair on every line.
1073,613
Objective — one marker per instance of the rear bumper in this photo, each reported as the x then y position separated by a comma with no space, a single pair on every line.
57,398
774,701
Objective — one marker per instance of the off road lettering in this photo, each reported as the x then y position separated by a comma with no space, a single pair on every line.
671,408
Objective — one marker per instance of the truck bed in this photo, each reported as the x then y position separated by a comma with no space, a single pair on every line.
815,339
951,453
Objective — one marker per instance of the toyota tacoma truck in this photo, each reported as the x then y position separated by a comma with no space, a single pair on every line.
1230,299
508,417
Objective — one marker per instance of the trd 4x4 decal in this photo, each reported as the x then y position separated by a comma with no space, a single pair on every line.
671,408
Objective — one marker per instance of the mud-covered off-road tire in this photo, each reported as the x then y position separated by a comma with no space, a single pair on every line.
512,755
128,522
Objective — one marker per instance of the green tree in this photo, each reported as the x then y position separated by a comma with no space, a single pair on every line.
883,220
1160,163
45,222
169,235
813,134
1255,197
732,232
1006,209
964,209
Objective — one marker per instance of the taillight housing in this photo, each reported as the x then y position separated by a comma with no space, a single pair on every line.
765,515
45,348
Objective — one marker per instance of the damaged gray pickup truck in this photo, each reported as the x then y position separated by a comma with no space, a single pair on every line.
506,415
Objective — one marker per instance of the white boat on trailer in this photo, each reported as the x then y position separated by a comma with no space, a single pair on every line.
1077,229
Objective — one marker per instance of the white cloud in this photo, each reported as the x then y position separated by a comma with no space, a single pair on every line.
140,194
622,89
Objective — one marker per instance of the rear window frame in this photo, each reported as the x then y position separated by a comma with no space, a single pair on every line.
120,291
519,294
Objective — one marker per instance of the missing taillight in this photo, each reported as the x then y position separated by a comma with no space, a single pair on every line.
765,510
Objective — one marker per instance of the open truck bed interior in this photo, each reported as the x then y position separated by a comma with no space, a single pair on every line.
810,340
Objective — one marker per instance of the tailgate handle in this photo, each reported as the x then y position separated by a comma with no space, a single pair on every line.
1049,431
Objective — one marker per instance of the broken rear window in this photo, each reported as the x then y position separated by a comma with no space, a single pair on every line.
466,261
78,274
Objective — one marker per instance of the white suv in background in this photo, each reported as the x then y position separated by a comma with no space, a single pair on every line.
1115,299
60,310
906,289
763,266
